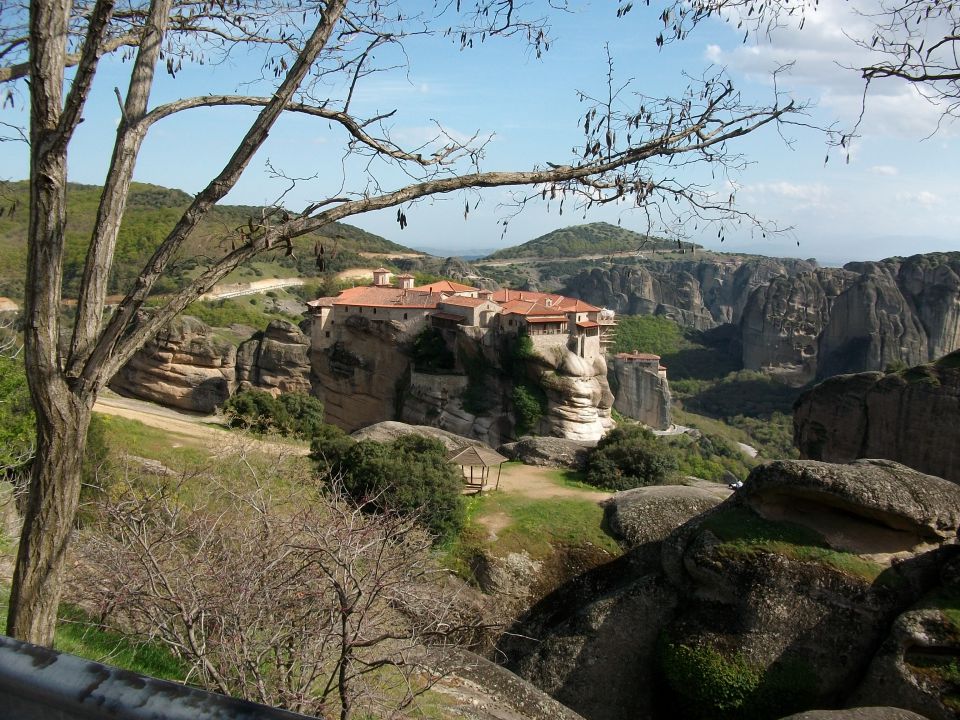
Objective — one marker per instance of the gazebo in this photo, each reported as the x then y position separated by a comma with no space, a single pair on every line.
475,463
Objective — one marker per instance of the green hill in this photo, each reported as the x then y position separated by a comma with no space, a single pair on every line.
598,238
151,213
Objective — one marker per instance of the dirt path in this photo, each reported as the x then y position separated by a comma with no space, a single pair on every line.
540,482
356,273
192,429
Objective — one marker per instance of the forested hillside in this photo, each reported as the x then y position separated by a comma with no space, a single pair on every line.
591,239
151,213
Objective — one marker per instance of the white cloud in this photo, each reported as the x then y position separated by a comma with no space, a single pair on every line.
799,194
825,58
885,170
923,198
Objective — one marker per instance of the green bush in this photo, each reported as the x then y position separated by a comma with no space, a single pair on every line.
294,414
630,456
529,404
430,352
17,424
410,474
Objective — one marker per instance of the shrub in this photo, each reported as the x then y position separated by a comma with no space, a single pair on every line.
409,475
289,414
628,457
529,404
430,352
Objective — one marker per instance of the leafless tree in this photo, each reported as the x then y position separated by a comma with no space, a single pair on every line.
316,53
916,41
269,591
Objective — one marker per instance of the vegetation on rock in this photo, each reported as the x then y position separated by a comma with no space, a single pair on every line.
293,414
598,238
630,456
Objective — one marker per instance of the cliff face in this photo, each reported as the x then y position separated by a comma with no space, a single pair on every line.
185,366
909,416
276,360
794,319
641,394
368,378
188,367
782,322
696,294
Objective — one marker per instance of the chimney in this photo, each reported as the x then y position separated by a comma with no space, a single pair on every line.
405,282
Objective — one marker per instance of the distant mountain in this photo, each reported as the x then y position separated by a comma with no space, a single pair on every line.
598,238
151,213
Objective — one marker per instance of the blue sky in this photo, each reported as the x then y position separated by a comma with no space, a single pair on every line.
895,196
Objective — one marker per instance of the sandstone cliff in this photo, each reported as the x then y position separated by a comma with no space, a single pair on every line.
909,416
694,293
799,591
277,360
794,319
368,378
187,366
640,393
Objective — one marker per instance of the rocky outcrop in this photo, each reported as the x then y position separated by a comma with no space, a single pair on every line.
908,416
640,393
785,597
782,322
547,451
359,378
578,395
648,514
276,360
794,319
185,366
694,293
390,430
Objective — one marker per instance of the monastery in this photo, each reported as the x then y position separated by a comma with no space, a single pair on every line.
549,320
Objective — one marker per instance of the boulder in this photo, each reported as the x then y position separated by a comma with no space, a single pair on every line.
390,430
649,514
860,713
799,591
547,451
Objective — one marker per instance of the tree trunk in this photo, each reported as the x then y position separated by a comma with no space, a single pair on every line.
49,520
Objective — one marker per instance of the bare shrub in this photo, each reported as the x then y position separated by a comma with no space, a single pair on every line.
279,592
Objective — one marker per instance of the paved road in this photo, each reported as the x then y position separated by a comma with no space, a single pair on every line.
221,292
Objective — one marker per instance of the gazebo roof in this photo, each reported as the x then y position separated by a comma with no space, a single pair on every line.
476,456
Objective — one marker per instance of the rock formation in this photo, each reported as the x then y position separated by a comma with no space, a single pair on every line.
648,514
782,322
694,293
794,319
368,377
640,393
390,430
276,360
185,366
799,591
909,416
548,451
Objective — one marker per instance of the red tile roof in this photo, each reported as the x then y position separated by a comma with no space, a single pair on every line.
637,356
321,302
371,296
464,301
587,324
447,286
551,302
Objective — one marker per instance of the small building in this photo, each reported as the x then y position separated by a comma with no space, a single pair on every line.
381,277
648,361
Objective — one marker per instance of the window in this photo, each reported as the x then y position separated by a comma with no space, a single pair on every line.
361,310
404,316
327,334
374,311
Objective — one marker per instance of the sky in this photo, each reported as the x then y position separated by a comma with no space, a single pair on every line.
895,195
